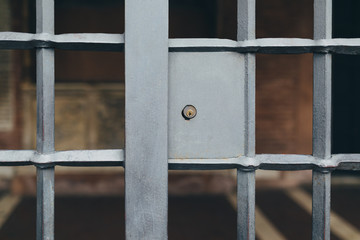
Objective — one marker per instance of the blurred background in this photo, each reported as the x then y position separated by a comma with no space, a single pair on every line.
89,114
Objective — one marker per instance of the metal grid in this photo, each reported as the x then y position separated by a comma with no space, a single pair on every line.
147,162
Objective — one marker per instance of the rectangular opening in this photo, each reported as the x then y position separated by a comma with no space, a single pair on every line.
88,205
199,207
284,104
90,100
14,16
346,18
284,19
345,125
94,16
345,196
345,130
272,209
192,19
16,72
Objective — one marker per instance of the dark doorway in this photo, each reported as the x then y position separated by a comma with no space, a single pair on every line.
346,84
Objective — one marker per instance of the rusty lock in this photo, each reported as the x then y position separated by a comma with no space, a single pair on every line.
189,112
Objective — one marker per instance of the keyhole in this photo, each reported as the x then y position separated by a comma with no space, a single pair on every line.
189,112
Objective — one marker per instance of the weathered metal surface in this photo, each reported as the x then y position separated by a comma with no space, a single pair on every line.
246,204
116,157
249,100
322,122
268,45
76,41
197,79
45,81
146,119
45,205
45,100
321,205
272,162
246,178
115,42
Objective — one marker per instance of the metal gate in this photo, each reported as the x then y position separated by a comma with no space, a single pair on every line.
163,77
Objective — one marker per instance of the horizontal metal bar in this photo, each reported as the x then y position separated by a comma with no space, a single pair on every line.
268,45
63,158
271,162
83,41
115,42
116,158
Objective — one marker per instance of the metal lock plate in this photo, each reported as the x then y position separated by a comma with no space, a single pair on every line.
212,83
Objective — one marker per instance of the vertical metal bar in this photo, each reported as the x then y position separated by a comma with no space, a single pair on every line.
321,205
246,178
45,204
146,74
246,204
322,122
322,82
45,122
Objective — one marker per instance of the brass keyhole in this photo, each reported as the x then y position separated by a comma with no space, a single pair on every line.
189,112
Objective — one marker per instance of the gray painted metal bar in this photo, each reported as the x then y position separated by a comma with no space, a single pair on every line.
116,157
73,41
112,157
146,119
271,162
246,204
45,78
322,122
115,42
45,207
321,205
268,45
246,177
